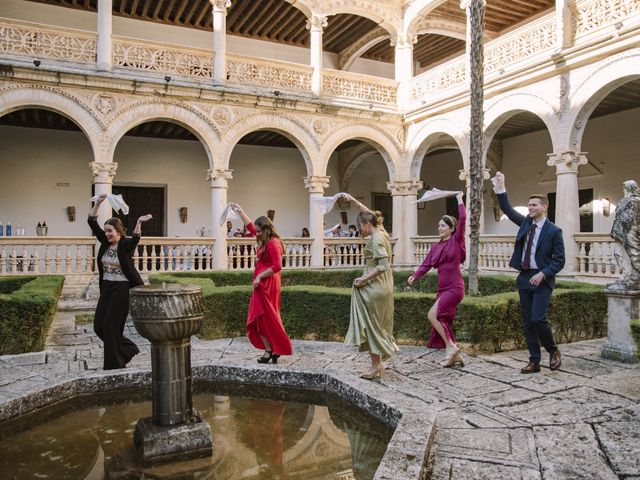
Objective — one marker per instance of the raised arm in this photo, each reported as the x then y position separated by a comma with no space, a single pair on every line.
93,220
360,205
137,231
503,200
462,220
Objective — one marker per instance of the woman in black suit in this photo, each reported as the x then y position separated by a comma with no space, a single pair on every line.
117,275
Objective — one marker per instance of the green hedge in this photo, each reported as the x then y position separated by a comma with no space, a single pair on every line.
27,307
321,311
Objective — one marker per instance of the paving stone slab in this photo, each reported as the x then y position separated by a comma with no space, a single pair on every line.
571,451
620,442
451,468
473,417
513,396
551,382
565,408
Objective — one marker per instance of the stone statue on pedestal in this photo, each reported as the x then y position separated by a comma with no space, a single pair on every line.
626,231
623,296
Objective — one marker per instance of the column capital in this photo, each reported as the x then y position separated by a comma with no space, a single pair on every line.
218,177
567,161
317,22
103,172
220,5
465,174
316,183
404,187
404,40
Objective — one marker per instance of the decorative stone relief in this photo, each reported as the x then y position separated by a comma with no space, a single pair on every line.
316,183
103,172
626,231
221,116
567,162
404,187
105,104
219,177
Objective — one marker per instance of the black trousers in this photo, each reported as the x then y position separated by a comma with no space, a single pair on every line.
108,323
534,303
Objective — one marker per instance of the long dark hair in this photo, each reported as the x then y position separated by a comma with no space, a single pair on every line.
117,224
268,231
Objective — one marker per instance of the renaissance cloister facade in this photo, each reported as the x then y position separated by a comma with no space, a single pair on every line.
188,105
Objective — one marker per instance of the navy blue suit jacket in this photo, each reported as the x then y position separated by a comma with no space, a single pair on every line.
550,246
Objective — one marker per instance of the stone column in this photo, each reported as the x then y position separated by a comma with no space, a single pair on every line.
565,23
103,173
219,12
218,179
404,67
315,24
104,48
567,201
405,218
316,185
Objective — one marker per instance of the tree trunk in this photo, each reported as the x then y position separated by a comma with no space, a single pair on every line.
476,57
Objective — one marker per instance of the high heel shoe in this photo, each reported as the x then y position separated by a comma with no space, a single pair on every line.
266,359
373,372
454,359
275,357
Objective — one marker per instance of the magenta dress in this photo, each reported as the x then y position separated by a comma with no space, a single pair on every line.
446,257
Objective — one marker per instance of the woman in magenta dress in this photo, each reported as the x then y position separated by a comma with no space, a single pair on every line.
446,256
264,325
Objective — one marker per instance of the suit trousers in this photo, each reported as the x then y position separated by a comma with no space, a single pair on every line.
534,303
108,324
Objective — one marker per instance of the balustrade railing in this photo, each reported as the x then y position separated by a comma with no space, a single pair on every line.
344,85
495,252
597,255
46,255
421,247
174,254
343,252
272,74
596,14
242,253
45,42
162,58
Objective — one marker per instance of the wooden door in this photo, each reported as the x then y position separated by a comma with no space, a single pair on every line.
143,200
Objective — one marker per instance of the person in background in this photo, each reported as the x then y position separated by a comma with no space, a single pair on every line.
446,256
117,274
264,324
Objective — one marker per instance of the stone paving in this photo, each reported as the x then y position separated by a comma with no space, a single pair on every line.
582,422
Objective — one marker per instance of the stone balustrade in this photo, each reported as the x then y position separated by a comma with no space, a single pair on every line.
174,254
422,245
268,74
597,255
495,252
242,253
46,255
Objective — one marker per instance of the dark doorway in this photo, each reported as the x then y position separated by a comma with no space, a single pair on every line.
585,200
143,200
384,204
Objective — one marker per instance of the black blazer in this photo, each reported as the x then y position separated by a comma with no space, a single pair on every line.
126,249
549,249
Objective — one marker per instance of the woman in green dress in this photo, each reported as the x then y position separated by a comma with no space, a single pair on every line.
371,324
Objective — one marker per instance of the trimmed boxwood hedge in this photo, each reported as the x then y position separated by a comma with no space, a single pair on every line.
27,307
316,305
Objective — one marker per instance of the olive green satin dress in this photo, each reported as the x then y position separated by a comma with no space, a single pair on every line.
371,324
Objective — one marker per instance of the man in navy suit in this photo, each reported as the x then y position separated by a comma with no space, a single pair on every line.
538,255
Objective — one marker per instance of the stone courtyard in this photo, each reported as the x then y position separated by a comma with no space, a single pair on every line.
490,421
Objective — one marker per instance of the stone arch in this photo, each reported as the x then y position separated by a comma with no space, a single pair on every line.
48,99
427,135
368,134
441,26
606,77
126,119
385,16
509,105
294,131
416,12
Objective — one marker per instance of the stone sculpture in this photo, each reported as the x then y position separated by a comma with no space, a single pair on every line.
626,231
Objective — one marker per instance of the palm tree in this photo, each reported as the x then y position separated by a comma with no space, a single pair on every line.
476,58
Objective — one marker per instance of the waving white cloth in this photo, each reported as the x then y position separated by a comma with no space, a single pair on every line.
326,204
435,194
228,214
116,201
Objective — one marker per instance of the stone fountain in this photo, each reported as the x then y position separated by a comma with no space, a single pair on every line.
167,315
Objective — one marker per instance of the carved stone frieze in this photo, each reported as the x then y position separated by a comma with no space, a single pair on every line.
103,172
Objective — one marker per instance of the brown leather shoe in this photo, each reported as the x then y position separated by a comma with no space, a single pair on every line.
554,360
531,368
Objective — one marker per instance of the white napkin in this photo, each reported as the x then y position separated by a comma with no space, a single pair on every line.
326,204
228,214
329,231
116,201
435,194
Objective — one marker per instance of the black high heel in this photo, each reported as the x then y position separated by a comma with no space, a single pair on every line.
264,359
274,357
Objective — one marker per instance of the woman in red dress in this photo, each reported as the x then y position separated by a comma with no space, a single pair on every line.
264,325
446,256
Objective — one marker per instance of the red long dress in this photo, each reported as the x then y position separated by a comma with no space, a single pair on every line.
264,306
446,257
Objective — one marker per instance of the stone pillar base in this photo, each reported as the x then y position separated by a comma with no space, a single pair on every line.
622,308
155,444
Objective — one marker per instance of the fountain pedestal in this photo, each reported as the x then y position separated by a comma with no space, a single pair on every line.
167,315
